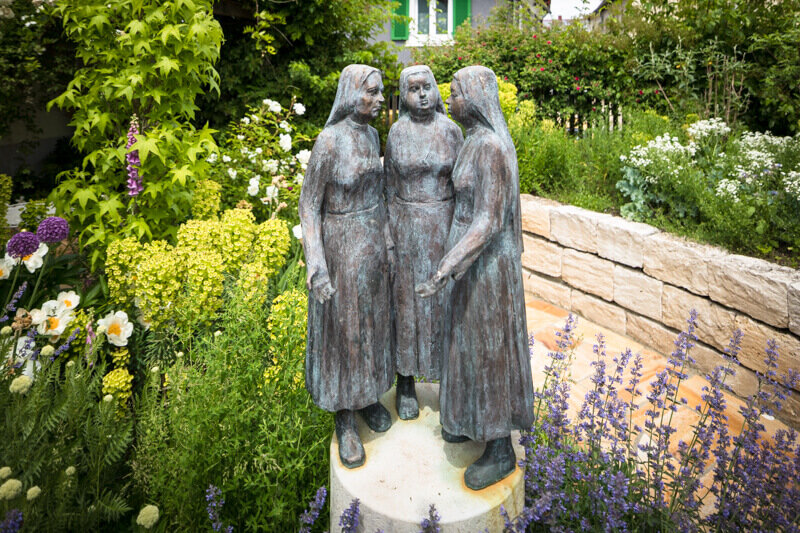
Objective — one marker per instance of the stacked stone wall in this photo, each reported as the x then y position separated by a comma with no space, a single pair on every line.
641,282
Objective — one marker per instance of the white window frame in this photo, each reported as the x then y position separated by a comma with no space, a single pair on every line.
420,39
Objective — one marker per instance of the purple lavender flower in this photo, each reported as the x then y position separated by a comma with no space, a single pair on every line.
349,518
310,516
64,347
431,523
132,157
12,305
12,522
214,507
22,244
53,229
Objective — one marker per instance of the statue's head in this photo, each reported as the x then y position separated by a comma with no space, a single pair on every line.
359,95
475,98
419,94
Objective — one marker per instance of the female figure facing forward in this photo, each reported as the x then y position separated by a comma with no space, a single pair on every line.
420,153
349,353
486,389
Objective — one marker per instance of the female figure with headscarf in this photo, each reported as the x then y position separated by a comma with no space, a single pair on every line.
420,153
349,353
486,389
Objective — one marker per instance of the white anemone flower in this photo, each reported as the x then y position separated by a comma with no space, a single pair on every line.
56,322
69,300
255,183
6,266
36,259
117,327
297,231
285,142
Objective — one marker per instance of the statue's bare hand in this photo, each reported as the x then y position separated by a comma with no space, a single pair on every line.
321,289
432,286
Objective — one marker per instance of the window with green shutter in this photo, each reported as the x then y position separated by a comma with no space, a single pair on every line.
400,29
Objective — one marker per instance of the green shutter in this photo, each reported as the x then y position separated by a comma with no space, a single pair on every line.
462,11
400,29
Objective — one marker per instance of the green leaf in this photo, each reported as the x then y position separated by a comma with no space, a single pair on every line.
170,30
84,195
146,146
181,174
166,65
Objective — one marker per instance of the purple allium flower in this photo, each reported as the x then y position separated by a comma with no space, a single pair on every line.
12,522
349,518
132,157
22,244
53,229
310,516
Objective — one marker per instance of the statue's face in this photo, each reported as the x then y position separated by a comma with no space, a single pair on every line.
368,105
418,97
456,104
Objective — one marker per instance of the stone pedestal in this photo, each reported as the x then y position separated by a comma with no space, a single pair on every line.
410,467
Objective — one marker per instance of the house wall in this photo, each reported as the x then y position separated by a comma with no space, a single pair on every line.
481,9
641,282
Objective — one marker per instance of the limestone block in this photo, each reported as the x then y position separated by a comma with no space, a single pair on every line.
794,308
599,311
541,255
410,467
649,333
754,345
588,273
536,214
623,241
715,324
548,290
678,261
637,292
575,227
753,286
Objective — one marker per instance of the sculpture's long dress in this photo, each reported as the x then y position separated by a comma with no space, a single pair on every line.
486,390
349,362
418,173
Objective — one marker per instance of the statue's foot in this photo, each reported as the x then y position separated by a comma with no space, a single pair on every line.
377,417
497,462
449,437
406,400
351,451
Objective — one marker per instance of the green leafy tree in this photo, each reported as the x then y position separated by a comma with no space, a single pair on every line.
149,58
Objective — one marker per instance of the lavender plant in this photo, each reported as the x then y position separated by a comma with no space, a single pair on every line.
431,523
349,519
215,502
309,516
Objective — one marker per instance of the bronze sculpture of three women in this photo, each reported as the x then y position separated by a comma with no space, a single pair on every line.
414,265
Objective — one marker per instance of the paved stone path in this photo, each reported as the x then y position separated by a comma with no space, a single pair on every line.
545,319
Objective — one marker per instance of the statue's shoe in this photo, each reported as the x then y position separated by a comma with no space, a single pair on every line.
449,437
406,400
377,417
351,450
497,462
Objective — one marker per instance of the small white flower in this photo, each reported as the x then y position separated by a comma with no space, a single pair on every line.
148,516
70,471
245,120
252,190
240,137
52,319
259,150
232,173
36,259
70,364
117,327
212,158
5,472
6,331
33,493
303,156
285,143
299,179
285,126
271,166
217,333
179,354
272,193
47,350
226,158
297,231
20,385
254,117
299,108
6,266
274,107
154,370
69,300
108,398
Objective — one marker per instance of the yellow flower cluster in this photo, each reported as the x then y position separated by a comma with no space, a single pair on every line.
237,230
83,317
118,383
525,115
198,235
254,283
271,245
158,282
203,286
206,199
122,258
287,332
120,357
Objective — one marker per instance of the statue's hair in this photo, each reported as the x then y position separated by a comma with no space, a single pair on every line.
351,83
419,69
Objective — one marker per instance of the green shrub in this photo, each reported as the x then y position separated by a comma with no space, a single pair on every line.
34,212
221,422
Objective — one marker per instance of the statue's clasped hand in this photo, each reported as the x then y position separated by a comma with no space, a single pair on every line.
432,286
322,289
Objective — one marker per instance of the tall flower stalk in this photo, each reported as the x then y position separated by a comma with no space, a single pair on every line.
132,157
